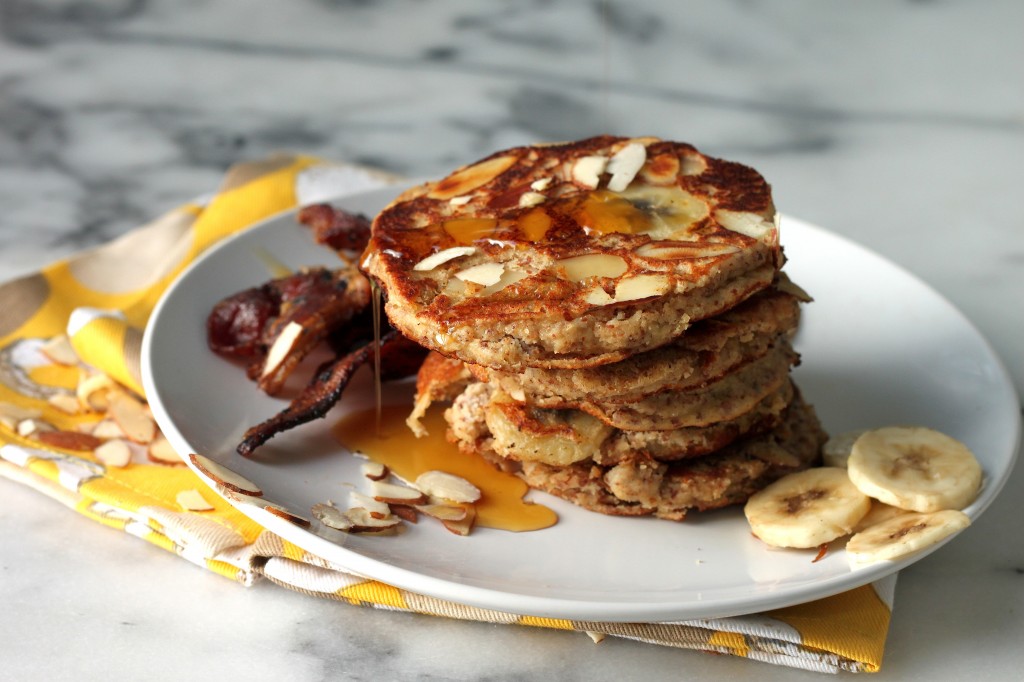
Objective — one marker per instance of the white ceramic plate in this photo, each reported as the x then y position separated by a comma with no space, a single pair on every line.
879,347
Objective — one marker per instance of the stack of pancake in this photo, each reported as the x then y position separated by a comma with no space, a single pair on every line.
609,320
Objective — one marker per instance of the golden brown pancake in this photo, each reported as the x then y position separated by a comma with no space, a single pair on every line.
573,255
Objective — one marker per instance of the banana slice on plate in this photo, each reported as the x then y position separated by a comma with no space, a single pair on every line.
903,535
806,509
879,513
914,468
836,450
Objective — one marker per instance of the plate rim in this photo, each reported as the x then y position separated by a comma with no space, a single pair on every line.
544,606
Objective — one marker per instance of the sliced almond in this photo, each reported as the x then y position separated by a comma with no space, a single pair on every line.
28,428
464,525
748,224
93,391
192,500
133,418
447,486
375,471
65,402
588,169
484,274
331,517
363,522
161,451
641,286
442,257
226,477
460,201
673,250
17,412
631,289
282,346
405,512
107,428
508,278
58,350
396,494
287,515
443,512
541,185
598,297
377,509
625,164
579,268
114,453
528,199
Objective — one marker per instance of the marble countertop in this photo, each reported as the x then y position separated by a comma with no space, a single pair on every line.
898,125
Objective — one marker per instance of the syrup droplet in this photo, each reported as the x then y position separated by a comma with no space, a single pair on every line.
394,445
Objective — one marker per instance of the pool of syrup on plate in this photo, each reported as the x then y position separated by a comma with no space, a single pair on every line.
393,444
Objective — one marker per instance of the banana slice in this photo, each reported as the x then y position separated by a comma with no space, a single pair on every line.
836,450
915,468
903,535
671,210
806,509
880,512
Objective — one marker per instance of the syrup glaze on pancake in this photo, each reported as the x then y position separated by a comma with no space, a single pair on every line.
551,268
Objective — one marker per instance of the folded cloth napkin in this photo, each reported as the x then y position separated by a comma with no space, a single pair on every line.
101,300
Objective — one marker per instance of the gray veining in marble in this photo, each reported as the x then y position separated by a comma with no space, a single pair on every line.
897,124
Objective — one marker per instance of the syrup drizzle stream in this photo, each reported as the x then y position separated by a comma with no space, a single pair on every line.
377,391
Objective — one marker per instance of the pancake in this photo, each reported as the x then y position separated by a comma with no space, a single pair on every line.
562,437
573,255
640,486
706,353
725,399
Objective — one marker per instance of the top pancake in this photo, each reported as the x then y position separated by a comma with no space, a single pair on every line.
575,254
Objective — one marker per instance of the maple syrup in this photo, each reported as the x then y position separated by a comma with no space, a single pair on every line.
375,297
465,231
501,505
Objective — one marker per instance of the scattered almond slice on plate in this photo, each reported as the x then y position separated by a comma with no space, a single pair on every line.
331,516
362,522
447,486
287,515
396,494
464,525
375,471
443,512
225,477
376,508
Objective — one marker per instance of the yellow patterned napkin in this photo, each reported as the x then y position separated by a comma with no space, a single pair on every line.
101,300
